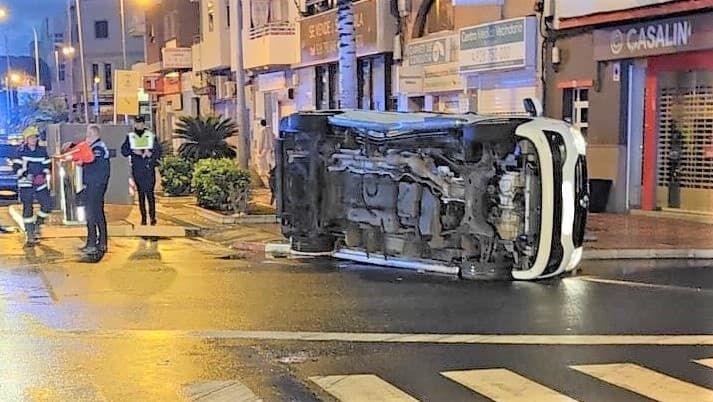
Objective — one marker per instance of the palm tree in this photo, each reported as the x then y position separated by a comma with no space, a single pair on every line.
205,137
347,55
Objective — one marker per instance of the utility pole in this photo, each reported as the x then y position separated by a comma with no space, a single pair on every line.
37,58
81,60
243,126
122,12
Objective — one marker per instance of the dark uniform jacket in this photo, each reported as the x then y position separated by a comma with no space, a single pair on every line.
30,163
97,173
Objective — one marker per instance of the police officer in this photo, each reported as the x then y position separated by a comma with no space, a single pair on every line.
95,175
32,167
145,152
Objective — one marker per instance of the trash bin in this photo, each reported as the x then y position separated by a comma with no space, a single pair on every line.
599,195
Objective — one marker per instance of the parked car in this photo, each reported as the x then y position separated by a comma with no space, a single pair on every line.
8,181
479,196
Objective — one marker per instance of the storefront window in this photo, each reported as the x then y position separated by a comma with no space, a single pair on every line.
326,87
365,78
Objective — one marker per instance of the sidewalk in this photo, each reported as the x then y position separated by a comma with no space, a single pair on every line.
612,236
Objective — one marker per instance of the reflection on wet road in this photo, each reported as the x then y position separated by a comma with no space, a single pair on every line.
184,318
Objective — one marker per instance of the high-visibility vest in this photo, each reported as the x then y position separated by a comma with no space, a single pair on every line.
141,142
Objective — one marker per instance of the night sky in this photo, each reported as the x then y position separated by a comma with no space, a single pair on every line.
23,14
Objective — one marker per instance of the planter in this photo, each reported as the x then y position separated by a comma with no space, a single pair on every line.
599,190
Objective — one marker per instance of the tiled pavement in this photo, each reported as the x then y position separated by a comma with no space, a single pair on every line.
627,232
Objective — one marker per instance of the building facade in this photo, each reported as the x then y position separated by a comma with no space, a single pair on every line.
481,57
101,34
172,27
637,78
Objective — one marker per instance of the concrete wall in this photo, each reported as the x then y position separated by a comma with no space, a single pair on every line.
113,136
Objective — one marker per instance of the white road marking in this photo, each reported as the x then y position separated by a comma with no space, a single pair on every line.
635,284
648,383
705,362
503,385
361,388
366,337
219,391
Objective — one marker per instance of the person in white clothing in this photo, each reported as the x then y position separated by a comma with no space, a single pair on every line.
265,152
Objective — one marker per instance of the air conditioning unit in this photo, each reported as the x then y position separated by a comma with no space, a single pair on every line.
230,90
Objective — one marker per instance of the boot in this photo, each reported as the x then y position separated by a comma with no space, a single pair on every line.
38,227
31,236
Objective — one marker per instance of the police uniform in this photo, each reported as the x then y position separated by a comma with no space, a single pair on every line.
95,176
32,168
143,168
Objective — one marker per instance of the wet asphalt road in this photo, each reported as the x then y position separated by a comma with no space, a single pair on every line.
186,319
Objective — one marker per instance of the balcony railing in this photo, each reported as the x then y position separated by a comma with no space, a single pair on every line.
272,28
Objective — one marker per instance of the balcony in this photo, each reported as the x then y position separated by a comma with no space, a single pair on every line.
273,44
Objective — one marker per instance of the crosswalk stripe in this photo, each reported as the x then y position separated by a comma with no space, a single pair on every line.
219,391
361,388
646,382
502,385
705,362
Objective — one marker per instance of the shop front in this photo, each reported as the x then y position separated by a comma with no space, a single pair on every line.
429,78
667,66
498,63
316,82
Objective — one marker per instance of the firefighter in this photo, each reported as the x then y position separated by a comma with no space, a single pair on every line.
95,176
144,150
32,167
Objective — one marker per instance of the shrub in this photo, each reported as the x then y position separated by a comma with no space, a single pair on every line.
220,185
205,137
176,175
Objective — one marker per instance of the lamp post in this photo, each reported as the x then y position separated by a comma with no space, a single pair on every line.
37,57
85,91
3,17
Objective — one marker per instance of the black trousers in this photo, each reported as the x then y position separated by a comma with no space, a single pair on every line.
96,219
146,184
27,197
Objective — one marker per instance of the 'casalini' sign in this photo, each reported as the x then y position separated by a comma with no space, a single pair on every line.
654,38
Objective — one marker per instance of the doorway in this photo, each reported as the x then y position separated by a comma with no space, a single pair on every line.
635,134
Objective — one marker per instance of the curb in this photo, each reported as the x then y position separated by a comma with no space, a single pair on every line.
221,219
649,254
114,230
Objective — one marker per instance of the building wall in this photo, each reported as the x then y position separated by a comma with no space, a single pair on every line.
187,22
102,51
606,134
214,46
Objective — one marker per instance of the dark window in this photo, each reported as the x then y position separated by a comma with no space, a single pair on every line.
95,72
61,71
327,82
365,83
227,10
211,16
101,29
108,79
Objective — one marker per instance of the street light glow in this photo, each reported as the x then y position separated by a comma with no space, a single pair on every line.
3,13
68,51
15,78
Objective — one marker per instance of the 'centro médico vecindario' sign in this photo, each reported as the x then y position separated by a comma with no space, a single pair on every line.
672,35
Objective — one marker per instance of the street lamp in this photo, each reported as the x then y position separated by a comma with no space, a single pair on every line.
37,57
68,51
82,60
